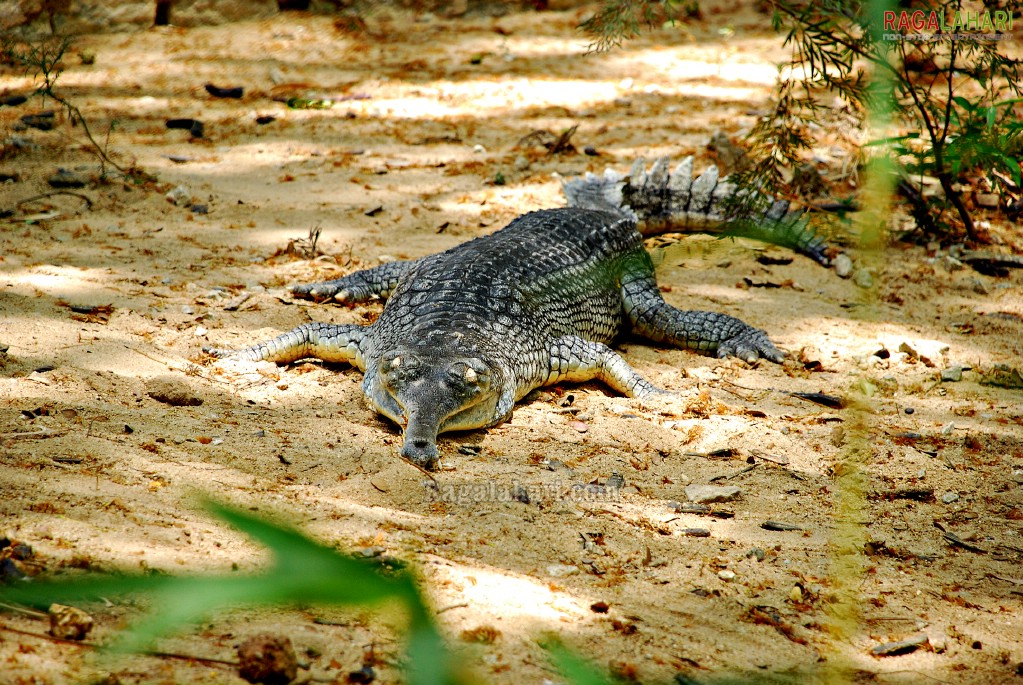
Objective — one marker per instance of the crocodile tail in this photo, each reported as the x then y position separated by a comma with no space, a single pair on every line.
661,202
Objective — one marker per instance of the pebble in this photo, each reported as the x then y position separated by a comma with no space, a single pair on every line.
579,426
69,623
1017,475
200,331
987,199
705,494
521,163
950,497
863,278
843,266
562,570
180,195
909,410
67,179
901,647
696,532
170,390
267,658
726,575
478,148
952,374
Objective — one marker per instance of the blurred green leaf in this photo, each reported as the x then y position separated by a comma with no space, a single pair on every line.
302,571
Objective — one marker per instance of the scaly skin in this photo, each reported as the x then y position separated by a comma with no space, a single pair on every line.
468,332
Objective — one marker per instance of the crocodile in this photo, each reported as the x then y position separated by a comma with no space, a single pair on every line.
468,332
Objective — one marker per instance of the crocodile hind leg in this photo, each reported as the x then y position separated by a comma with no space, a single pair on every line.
575,359
713,332
359,286
329,342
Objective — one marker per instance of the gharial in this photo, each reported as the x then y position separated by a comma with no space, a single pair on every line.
468,332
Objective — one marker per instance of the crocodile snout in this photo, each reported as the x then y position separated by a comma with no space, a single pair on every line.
420,446
420,451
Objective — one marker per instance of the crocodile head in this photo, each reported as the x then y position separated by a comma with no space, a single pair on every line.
429,394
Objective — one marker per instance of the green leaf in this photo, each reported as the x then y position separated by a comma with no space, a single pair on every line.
891,139
576,670
302,572
964,103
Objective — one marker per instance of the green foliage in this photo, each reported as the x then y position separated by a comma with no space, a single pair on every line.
959,99
302,572
621,20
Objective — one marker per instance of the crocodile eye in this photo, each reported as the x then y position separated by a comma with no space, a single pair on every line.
470,375
396,362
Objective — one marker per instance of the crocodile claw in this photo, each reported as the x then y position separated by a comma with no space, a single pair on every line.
750,345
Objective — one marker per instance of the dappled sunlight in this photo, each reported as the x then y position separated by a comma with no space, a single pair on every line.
519,604
56,280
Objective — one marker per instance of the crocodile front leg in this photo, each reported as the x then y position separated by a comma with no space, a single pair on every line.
326,341
359,286
575,359
722,334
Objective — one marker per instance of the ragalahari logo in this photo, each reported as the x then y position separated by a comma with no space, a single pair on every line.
939,25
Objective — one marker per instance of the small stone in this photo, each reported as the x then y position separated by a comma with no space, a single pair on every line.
705,494
180,195
170,390
948,428
1017,476
521,163
987,199
909,411
44,121
843,266
69,623
562,570
579,426
950,497
67,179
757,553
200,331
952,374
478,149
267,659
863,278
696,532
726,575
901,647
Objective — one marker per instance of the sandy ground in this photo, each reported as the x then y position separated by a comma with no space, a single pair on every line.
96,472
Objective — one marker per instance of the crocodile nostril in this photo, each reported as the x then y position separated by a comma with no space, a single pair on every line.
421,444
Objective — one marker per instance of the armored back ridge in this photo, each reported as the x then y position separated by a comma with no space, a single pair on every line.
467,332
